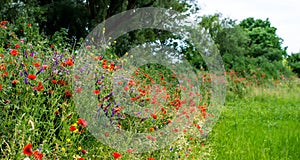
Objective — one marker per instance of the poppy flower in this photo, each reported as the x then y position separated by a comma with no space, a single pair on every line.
104,64
72,128
76,76
17,46
0,87
37,155
32,76
129,150
5,74
37,65
112,66
45,66
82,122
154,116
27,150
2,67
151,158
151,138
14,82
14,52
61,82
78,90
117,155
96,92
68,94
39,87
69,62
3,23
81,158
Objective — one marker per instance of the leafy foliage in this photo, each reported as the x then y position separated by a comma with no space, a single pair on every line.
263,39
294,62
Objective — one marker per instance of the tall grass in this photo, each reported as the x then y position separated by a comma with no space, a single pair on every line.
265,124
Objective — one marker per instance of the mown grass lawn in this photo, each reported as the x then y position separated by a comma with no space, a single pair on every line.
263,125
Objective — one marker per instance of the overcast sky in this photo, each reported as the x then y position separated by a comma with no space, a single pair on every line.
283,14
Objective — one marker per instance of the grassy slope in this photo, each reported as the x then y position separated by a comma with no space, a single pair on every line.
263,125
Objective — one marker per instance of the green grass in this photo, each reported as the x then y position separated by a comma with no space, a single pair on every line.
263,125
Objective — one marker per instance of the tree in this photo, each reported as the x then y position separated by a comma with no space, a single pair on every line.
263,39
79,17
229,37
294,62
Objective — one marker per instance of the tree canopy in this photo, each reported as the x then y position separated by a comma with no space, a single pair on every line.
239,43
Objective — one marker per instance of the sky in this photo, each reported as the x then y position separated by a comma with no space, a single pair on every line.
283,15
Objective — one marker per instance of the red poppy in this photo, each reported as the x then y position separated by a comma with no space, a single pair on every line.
3,23
14,52
151,138
106,134
133,99
82,122
68,94
72,128
104,64
151,158
56,112
37,65
76,77
53,81
45,66
37,155
129,150
154,116
2,67
32,76
80,158
112,66
118,109
14,82
69,62
17,46
39,87
5,74
78,90
117,155
96,92
61,82
27,150
131,82
0,87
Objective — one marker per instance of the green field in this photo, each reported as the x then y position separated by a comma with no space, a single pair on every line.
263,125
